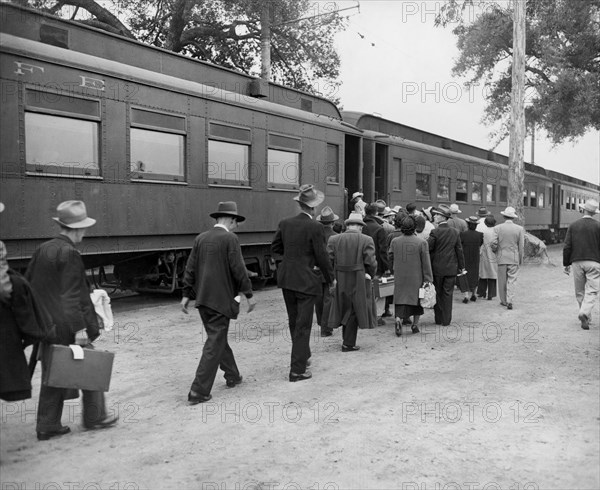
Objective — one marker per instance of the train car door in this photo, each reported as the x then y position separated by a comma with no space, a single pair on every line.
555,222
353,168
381,172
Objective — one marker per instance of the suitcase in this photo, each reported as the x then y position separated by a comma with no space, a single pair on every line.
61,370
383,287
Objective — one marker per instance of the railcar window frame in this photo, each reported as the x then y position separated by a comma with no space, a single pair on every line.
440,197
332,165
422,196
503,190
466,191
65,110
533,197
166,129
474,186
396,173
492,188
288,146
236,138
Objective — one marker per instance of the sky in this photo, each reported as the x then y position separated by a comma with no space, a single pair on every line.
397,65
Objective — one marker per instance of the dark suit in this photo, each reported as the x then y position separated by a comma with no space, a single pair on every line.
215,274
57,275
301,242
447,258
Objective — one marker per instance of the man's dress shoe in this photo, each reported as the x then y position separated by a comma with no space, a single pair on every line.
195,398
585,322
107,422
350,348
44,436
301,376
232,383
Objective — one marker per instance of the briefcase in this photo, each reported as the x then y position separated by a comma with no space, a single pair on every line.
62,370
383,287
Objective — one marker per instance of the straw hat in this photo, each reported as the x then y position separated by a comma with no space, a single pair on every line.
509,212
357,194
591,205
454,209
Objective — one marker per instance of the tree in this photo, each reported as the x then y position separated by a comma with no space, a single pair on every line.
227,33
562,63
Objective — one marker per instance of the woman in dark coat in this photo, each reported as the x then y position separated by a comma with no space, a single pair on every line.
409,259
471,242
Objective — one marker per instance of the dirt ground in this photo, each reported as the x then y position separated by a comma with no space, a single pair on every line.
499,400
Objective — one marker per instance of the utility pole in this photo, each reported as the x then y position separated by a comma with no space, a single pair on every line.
516,167
265,41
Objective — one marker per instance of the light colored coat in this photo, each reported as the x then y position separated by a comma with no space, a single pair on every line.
488,268
509,243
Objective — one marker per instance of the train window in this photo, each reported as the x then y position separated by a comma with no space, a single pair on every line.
228,163
532,198
476,191
562,197
490,193
283,168
461,190
525,200
61,145
397,173
157,120
156,155
229,132
503,194
46,101
443,188
423,186
541,199
332,171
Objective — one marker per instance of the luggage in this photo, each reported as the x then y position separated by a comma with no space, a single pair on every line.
463,282
383,287
62,370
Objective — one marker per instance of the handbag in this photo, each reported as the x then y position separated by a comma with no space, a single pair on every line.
428,300
463,282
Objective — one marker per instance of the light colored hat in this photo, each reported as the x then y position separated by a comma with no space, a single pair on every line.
227,208
327,215
310,196
483,212
454,209
355,219
389,212
443,210
473,220
1,207
381,205
73,214
591,205
357,194
509,212
397,208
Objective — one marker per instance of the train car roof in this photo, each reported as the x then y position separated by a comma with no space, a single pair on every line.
63,57
78,37
381,125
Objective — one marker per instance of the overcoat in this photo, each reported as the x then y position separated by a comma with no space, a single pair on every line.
352,255
301,242
23,322
471,242
446,251
409,257
216,272
57,275
488,268
379,235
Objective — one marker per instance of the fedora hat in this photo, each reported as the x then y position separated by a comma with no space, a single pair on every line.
472,219
509,212
454,209
310,196
355,219
327,215
381,205
483,212
357,194
591,206
227,208
73,214
443,210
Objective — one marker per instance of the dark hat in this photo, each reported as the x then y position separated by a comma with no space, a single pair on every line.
227,208
483,212
472,219
327,215
443,210
355,219
310,196
73,214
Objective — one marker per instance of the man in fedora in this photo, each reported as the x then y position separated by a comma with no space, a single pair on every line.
215,274
300,240
455,221
323,302
447,260
508,244
353,256
582,254
57,274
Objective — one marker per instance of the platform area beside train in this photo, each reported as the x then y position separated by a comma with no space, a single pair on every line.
499,400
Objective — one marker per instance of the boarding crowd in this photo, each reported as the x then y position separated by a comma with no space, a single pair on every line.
327,265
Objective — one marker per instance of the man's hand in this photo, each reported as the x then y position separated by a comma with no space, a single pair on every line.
567,270
184,304
332,286
81,338
251,304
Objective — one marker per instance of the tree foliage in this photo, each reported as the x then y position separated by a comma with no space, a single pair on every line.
563,62
227,33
